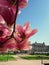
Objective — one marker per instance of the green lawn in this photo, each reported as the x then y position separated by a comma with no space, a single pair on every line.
27,57
6,57
35,57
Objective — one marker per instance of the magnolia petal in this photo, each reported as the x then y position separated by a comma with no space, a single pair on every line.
23,3
5,29
19,29
7,14
2,21
31,33
17,37
4,2
27,46
26,25
20,45
10,44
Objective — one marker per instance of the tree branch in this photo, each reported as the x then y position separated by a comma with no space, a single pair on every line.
15,17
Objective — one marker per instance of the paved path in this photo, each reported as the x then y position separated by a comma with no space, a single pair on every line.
20,61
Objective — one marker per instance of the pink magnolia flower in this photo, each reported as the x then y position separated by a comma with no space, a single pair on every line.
22,34
4,33
8,9
25,32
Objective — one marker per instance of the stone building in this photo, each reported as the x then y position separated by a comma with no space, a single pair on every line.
39,48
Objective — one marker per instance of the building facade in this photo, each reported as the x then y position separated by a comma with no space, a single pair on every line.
39,48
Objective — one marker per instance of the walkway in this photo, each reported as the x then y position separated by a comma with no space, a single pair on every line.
20,61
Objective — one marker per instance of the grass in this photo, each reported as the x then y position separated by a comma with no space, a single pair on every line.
6,57
35,57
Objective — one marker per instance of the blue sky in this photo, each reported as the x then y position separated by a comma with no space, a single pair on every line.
37,13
